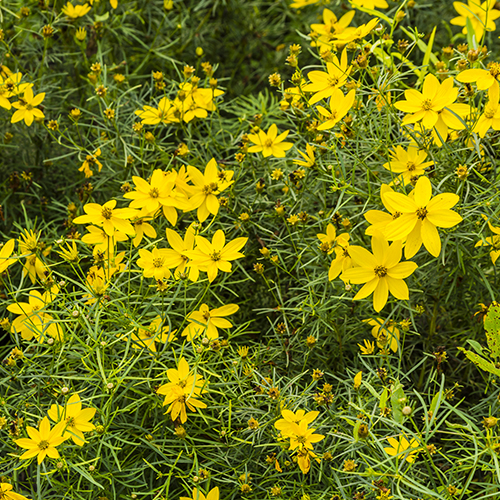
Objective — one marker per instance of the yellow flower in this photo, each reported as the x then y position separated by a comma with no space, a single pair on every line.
154,263
357,380
403,447
491,115
213,494
32,321
484,78
367,348
6,493
494,241
206,321
206,188
42,442
70,253
183,390
270,143
146,337
481,16
5,255
215,256
342,260
26,107
141,228
370,4
103,243
90,160
340,105
429,105
331,26
165,113
76,419
301,437
422,214
74,12
324,84
410,164
178,255
109,217
356,35
379,219
385,332
381,271
290,418
308,156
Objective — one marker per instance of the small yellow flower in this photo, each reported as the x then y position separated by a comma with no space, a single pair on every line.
26,107
270,143
75,11
403,447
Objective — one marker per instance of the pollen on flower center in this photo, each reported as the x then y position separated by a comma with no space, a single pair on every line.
206,315
411,166
107,213
154,193
396,215
158,262
215,256
495,69
422,213
333,81
43,445
381,271
427,104
71,421
301,439
29,107
333,115
268,143
489,113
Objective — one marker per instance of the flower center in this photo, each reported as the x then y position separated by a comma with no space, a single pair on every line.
107,213
495,70
396,215
154,193
70,421
333,115
411,166
381,271
489,113
29,107
158,262
333,81
206,315
43,445
427,104
422,213
301,439
215,256
268,143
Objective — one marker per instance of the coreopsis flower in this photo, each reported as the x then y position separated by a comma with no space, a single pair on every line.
11,86
5,255
324,84
402,447
206,187
367,348
178,256
97,283
385,332
91,161
110,218
164,113
356,35
141,228
6,492
484,78
42,441
381,271
340,105
29,248
301,437
207,322
370,4
308,156
342,260
75,419
290,418
427,106
202,98
379,219
270,143
409,163
213,494
147,336
32,321
212,257
154,263
481,16
26,107
421,215
493,241
331,26
183,390
103,243
70,253
75,11
328,239
491,114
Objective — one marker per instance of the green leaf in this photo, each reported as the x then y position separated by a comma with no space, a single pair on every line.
476,346
397,399
471,34
492,327
482,363
427,56
383,399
